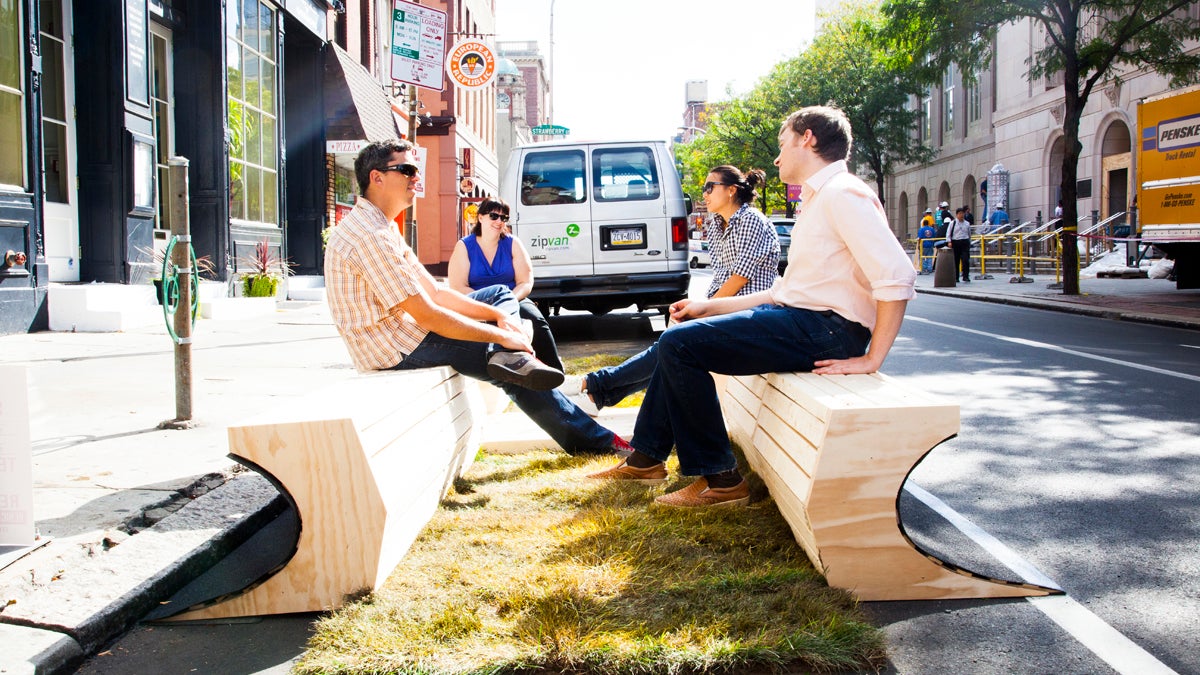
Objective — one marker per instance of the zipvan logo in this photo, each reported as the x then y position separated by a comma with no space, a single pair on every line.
556,243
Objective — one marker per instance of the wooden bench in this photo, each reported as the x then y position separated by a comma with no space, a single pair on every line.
834,450
365,464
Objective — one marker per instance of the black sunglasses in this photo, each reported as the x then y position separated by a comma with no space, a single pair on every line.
708,187
409,170
497,216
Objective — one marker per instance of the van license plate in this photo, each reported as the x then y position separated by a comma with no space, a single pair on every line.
626,236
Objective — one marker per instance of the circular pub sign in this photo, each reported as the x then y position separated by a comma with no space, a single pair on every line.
471,64
466,184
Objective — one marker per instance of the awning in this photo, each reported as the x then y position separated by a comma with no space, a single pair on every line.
356,108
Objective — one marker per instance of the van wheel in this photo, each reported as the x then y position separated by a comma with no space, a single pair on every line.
694,262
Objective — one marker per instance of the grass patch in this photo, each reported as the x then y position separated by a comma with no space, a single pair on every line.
531,568
586,364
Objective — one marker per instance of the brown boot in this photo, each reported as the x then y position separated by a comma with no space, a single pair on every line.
699,494
651,475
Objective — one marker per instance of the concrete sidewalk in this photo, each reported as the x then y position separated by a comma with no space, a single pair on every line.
129,513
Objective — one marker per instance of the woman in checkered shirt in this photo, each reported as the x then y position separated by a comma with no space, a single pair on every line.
745,259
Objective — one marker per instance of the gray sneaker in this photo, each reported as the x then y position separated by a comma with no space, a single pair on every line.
523,370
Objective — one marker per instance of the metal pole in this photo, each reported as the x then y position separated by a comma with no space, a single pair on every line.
177,168
410,217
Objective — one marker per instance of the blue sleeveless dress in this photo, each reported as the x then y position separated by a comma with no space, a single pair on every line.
500,271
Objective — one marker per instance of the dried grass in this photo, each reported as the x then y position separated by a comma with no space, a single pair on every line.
529,567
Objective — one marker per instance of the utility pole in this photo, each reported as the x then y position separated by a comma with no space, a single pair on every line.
410,219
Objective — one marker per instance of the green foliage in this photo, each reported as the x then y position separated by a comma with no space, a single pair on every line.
848,66
264,270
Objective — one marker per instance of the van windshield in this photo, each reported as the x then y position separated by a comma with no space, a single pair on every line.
621,174
555,177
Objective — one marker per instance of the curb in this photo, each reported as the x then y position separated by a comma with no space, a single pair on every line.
54,627
1068,308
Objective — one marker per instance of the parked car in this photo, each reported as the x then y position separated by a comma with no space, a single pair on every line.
698,255
783,230
605,223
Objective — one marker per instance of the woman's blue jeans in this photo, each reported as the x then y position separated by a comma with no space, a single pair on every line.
681,408
569,426
608,386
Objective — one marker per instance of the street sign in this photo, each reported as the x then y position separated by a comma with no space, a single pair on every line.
549,130
418,45
472,64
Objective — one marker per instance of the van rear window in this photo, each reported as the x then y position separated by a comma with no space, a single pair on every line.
624,174
554,177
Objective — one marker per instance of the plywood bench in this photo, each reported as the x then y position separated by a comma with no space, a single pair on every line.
365,464
834,450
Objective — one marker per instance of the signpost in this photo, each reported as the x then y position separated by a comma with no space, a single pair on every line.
549,130
418,44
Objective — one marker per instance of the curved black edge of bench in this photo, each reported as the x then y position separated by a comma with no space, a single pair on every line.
958,569
288,503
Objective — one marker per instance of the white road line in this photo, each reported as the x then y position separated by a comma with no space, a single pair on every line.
1056,348
1103,640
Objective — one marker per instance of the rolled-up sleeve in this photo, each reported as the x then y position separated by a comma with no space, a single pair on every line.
864,229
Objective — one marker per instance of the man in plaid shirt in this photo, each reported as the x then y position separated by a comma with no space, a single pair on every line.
393,315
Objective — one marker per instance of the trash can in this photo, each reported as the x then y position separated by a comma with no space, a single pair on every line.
944,274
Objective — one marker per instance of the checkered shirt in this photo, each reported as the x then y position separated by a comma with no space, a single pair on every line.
746,247
369,270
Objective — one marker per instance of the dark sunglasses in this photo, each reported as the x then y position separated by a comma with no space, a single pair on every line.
708,187
497,216
409,170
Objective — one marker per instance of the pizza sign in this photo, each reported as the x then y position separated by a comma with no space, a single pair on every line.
471,64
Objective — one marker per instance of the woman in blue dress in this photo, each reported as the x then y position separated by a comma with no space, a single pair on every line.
489,255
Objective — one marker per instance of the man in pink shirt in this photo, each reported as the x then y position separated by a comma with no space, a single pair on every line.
847,284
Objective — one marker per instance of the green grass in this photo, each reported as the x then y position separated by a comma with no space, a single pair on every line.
529,567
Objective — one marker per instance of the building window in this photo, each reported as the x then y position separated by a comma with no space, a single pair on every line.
974,101
927,116
54,104
948,100
12,100
253,119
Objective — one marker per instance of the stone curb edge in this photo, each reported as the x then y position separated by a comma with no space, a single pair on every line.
1050,305
67,622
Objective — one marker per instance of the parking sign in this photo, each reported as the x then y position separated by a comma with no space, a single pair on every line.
418,44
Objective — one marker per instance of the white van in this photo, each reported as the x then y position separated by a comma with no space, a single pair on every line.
605,223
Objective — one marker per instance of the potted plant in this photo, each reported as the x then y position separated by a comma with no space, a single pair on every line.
265,270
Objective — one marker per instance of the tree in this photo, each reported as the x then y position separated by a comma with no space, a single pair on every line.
848,66
1088,41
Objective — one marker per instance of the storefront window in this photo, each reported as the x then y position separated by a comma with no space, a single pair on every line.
12,130
253,154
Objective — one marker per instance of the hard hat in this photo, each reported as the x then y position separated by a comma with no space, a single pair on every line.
944,205
928,210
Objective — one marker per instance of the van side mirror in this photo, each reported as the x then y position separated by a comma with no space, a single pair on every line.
687,203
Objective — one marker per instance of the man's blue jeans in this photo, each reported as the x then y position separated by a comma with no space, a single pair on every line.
681,408
569,426
608,386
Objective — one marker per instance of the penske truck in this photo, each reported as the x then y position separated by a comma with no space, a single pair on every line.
1168,179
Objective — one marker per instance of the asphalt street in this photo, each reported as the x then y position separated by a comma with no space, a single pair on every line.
1078,452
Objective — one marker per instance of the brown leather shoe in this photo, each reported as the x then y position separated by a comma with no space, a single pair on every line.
651,475
699,494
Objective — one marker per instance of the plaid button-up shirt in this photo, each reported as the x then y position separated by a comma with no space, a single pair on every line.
747,247
369,270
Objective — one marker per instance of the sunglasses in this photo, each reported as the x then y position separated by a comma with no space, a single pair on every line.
497,216
708,187
409,170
